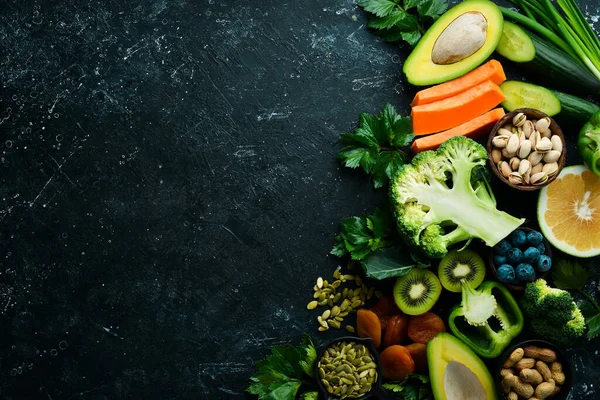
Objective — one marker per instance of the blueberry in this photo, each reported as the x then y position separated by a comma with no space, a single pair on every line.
526,273
502,247
499,259
534,238
518,238
531,255
506,273
514,256
544,263
541,248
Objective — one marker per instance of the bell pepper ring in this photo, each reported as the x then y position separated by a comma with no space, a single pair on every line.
588,143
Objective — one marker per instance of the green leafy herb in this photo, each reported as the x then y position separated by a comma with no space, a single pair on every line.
310,396
570,275
390,262
376,145
360,236
414,387
281,374
406,20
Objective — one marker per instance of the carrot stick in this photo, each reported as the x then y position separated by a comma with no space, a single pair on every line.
492,71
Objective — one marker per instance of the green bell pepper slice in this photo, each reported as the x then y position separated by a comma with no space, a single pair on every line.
491,338
588,143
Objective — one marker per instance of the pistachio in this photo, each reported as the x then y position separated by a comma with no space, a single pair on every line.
504,131
505,169
552,156
535,158
524,167
542,125
556,143
543,145
519,119
536,168
514,163
534,138
527,176
515,178
524,149
496,156
528,127
550,169
506,154
513,144
539,179
522,136
500,141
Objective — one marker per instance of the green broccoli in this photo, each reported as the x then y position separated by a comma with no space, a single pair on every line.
444,197
552,313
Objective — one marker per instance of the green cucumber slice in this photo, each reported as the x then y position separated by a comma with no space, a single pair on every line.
520,94
515,44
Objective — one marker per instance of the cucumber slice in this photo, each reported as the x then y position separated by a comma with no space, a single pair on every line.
521,94
574,108
515,44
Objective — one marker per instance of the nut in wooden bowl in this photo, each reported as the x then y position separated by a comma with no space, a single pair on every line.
526,149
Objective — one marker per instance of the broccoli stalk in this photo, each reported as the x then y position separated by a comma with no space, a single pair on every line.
443,198
478,307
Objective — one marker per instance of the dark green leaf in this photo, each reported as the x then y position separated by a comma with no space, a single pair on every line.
388,163
381,8
339,248
368,160
395,17
351,155
569,275
283,390
414,387
388,263
412,3
310,396
382,222
411,37
402,132
372,126
593,326
390,35
432,8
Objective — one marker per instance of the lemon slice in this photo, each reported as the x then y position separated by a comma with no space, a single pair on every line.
569,212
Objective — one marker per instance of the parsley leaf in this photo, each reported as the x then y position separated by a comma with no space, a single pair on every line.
569,275
414,387
390,262
407,20
360,236
376,144
310,396
280,374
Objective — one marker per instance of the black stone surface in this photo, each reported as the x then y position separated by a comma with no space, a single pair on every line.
169,189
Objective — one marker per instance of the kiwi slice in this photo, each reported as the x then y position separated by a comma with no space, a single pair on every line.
458,265
416,292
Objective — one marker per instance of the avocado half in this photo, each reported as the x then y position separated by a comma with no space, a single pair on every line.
458,42
456,372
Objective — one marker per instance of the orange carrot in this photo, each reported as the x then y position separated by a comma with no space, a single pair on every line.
455,110
472,129
492,71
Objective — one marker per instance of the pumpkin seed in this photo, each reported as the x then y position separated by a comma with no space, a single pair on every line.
322,329
350,328
319,282
312,305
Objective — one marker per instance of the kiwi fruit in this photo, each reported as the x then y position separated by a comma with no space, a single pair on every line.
458,265
417,291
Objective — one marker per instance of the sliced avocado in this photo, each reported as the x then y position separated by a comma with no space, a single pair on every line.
456,372
458,42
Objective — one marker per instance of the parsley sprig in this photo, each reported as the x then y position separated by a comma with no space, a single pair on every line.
281,374
414,387
406,20
376,145
570,275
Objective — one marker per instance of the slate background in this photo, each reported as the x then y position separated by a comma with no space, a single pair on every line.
169,189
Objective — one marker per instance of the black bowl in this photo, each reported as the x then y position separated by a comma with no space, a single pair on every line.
567,367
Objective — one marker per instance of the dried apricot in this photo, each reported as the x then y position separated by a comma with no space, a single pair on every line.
368,325
386,306
396,330
396,363
383,320
422,328
418,352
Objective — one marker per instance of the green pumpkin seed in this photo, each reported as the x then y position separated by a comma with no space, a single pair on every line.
312,305
349,328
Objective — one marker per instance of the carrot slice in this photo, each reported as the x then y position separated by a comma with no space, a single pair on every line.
455,110
490,71
472,129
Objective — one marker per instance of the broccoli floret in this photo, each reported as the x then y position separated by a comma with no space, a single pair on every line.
552,313
444,197
478,307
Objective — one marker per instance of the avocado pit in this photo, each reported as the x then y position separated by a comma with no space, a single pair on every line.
462,37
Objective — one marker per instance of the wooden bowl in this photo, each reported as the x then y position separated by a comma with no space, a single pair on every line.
531,114
518,288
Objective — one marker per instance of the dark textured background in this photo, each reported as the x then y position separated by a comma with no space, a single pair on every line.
169,189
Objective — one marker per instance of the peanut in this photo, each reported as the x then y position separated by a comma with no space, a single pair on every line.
531,376
512,396
555,391
507,383
557,374
505,372
546,355
521,388
525,363
544,370
545,389
514,357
